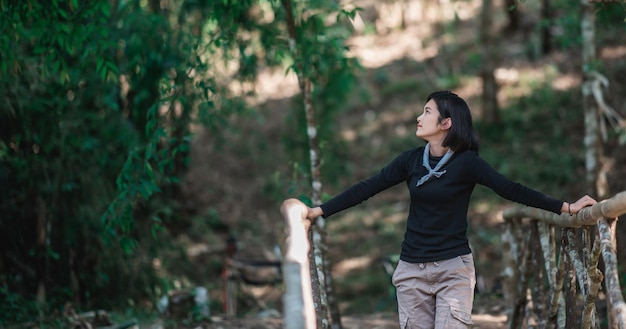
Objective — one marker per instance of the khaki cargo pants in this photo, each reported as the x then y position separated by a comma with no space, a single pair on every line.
437,294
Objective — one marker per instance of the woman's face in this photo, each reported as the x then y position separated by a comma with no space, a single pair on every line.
428,126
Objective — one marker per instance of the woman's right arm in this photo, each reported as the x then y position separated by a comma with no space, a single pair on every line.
390,175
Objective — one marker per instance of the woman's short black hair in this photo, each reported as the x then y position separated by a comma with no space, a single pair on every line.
461,135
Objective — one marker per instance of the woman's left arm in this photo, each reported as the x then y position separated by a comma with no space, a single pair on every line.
510,190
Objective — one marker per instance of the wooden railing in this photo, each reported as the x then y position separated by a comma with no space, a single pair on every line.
298,308
549,289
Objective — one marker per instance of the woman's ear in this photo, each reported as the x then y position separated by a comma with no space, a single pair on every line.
446,123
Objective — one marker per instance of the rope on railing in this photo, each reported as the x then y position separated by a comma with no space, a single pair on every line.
298,308
579,263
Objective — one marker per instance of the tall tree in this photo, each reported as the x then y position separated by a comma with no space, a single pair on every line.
513,15
316,260
489,97
546,27
592,112
322,69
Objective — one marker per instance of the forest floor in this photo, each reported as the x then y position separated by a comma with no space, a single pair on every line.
235,183
377,320
366,321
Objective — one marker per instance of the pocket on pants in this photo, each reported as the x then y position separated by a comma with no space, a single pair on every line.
461,315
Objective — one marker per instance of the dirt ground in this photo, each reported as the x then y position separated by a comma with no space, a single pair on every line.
366,321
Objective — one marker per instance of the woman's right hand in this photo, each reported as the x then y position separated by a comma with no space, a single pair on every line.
314,213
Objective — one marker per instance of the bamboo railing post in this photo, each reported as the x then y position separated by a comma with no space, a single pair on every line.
299,312
510,272
577,261
611,275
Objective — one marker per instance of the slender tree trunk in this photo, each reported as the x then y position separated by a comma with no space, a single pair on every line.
546,24
318,230
594,152
593,146
512,13
321,281
42,255
490,86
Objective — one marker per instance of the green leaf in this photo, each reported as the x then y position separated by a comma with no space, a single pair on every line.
99,63
64,77
103,74
155,228
104,8
3,67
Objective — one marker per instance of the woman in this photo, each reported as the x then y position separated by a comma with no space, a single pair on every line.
435,276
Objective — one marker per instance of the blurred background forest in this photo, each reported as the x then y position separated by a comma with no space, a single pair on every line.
143,141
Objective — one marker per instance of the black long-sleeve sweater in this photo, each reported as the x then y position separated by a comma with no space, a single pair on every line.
437,220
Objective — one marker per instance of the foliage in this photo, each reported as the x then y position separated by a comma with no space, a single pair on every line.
95,134
90,118
58,33
55,158
532,118
324,60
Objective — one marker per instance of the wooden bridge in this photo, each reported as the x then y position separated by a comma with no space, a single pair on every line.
553,277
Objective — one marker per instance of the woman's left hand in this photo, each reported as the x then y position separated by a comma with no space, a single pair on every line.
581,203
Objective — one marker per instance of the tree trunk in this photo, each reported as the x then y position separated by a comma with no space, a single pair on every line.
42,254
594,154
593,146
546,24
321,281
512,13
490,86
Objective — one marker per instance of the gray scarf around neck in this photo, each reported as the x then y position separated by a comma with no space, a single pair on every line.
433,172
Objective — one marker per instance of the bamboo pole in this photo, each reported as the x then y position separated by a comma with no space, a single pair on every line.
611,274
610,208
582,266
299,312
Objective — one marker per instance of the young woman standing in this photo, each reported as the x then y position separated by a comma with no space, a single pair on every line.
435,276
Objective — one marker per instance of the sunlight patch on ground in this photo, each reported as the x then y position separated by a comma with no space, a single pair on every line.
378,51
342,268
489,318
391,43
275,85
518,82
567,81
371,321
613,52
